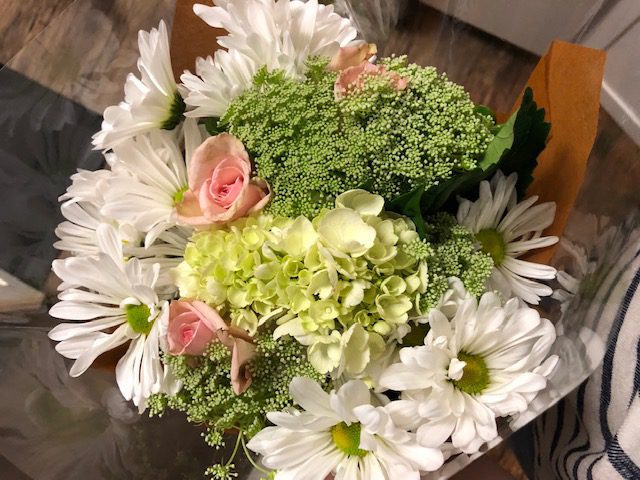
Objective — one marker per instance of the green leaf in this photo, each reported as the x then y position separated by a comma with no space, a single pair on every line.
514,149
530,137
485,111
213,126
442,196
502,141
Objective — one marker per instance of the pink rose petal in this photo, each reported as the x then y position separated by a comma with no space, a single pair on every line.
220,185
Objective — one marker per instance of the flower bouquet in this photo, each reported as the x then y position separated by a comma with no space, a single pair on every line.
321,250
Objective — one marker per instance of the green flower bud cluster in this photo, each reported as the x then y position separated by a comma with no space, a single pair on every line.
450,250
310,147
222,472
207,397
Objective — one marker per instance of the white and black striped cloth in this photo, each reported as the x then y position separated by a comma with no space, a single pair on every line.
594,432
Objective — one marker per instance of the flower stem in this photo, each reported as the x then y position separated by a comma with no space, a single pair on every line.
250,458
239,440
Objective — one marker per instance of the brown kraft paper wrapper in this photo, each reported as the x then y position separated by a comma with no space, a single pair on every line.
191,37
566,83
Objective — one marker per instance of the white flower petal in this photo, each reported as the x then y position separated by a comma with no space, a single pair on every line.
148,99
308,394
101,345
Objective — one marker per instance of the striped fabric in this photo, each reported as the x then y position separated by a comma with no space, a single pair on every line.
594,432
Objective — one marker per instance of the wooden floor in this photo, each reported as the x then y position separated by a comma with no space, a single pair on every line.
22,20
493,72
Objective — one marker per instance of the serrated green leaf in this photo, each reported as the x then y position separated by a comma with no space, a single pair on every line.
530,137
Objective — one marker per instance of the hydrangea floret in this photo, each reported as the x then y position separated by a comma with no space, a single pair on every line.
338,283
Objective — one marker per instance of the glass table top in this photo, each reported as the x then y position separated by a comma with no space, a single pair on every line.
51,95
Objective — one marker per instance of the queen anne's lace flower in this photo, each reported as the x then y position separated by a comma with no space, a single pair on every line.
340,433
489,360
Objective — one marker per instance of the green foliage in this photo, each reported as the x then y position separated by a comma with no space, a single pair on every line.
530,133
487,112
207,398
175,113
310,147
450,250
501,142
213,126
514,148
410,204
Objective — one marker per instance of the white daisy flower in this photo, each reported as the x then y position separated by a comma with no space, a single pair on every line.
87,186
506,230
488,361
217,82
112,302
79,236
83,201
83,211
78,233
151,101
167,251
340,433
278,35
150,179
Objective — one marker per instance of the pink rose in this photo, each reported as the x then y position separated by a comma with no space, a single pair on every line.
352,56
193,325
220,185
353,78
188,333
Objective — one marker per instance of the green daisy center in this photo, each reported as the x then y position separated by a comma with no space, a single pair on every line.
475,375
175,113
179,195
347,439
138,318
492,243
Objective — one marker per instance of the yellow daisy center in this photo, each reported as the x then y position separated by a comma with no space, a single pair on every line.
347,439
475,375
179,195
492,243
138,318
175,113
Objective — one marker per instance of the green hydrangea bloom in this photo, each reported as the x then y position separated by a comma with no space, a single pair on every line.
310,147
340,283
